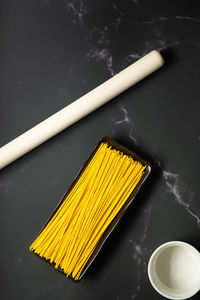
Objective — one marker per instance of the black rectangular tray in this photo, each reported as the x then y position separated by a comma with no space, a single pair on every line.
115,221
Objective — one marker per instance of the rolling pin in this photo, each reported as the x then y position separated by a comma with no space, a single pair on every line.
80,108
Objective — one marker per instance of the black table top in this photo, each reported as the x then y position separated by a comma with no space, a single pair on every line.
51,53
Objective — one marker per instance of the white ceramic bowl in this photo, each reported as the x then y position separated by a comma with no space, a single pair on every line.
174,270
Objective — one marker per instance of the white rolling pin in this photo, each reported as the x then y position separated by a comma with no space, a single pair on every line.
80,108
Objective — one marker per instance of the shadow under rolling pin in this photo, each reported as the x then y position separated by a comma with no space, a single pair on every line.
80,108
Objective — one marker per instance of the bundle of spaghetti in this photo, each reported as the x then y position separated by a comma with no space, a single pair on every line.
71,236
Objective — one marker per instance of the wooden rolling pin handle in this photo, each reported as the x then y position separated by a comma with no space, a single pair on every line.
80,108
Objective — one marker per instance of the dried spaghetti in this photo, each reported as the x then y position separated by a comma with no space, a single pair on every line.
72,234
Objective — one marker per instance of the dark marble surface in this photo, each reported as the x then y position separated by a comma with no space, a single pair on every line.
51,53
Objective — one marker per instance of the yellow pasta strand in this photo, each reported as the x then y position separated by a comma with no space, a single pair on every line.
73,233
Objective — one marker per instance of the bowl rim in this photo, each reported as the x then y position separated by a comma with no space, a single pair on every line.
164,246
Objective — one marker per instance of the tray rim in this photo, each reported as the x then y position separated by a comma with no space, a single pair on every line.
117,218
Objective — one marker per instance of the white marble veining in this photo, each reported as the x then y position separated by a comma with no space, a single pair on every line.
78,9
140,252
188,18
98,41
138,245
172,180
125,121
170,19
102,55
